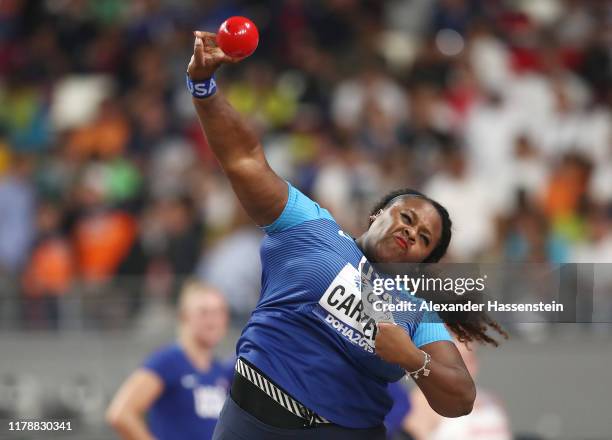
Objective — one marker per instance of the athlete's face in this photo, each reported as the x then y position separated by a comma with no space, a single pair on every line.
205,317
404,232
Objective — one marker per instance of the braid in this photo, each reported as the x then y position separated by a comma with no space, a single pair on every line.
474,332
467,326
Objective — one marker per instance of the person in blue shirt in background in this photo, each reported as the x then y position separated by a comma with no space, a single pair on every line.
400,409
180,389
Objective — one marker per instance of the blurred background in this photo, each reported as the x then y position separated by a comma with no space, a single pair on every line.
110,197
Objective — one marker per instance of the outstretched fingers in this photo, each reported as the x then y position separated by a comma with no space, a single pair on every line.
209,40
202,34
198,51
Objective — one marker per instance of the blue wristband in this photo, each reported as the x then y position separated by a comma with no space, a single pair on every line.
201,88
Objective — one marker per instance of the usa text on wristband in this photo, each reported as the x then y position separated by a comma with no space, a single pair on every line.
201,88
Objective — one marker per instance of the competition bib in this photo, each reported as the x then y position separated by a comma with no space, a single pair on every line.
347,306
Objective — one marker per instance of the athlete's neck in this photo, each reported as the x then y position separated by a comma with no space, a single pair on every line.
361,245
200,356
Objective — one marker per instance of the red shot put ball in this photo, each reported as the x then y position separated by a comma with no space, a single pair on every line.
238,37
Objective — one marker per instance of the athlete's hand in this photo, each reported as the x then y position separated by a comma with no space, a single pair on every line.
393,344
207,57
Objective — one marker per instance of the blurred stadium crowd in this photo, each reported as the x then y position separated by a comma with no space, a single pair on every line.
499,109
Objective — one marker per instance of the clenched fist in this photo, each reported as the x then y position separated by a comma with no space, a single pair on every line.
393,344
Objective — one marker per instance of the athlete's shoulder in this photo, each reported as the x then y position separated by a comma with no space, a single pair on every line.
430,329
164,360
168,350
299,209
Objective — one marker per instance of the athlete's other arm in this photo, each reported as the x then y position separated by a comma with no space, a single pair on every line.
262,193
128,408
449,388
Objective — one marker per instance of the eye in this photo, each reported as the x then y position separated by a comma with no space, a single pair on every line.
425,239
406,218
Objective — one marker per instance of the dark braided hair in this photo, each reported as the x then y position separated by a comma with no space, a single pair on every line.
466,326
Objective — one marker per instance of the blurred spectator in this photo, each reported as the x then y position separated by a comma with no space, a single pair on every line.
572,126
344,182
454,14
17,207
182,235
490,131
372,92
163,254
261,96
24,115
526,235
106,136
240,283
597,246
567,186
489,57
426,133
527,173
471,205
102,236
50,271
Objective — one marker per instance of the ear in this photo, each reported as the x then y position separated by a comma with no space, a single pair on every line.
375,216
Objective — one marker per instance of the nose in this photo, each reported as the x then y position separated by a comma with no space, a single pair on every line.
410,234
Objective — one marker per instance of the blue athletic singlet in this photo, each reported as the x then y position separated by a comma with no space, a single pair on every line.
309,332
192,399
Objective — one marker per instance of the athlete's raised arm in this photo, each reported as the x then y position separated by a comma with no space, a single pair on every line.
261,191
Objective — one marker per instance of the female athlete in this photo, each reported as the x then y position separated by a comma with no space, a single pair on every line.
311,363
